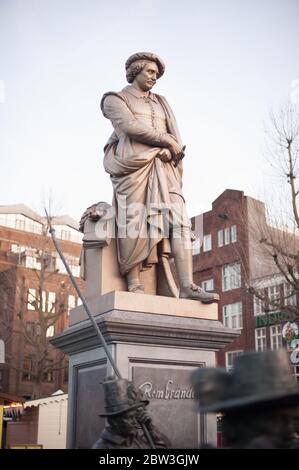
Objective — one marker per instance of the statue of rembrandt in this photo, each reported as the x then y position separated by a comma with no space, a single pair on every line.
143,157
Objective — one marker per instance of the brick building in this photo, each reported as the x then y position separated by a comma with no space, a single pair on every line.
228,258
33,280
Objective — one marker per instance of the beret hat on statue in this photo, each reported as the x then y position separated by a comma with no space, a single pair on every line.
147,56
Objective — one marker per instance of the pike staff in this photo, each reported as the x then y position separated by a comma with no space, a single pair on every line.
91,317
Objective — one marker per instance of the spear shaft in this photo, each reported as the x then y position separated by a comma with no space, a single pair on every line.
91,317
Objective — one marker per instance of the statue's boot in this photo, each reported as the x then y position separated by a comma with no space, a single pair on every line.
181,249
133,281
135,287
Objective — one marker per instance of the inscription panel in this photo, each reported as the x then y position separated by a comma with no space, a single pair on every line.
173,405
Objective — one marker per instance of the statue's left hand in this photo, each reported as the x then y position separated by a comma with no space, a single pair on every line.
164,155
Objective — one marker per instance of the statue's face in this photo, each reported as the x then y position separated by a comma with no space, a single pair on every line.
125,423
147,78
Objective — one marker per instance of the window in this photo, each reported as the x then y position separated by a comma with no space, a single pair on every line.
296,373
258,304
48,375
207,242
231,276
196,247
60,266
276,337
27,368
226,236
73,262
50,331
289,295
20,222
260,339
220,238
31,300
44,300
232,315
230,357
51,302
71,303
65,234
14,248
233,233
273,294
49,261
208,285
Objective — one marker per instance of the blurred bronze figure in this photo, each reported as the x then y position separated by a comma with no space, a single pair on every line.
125,412
259,400
144,159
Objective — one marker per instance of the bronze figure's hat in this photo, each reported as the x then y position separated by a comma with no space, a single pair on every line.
118,397
147,56
258,379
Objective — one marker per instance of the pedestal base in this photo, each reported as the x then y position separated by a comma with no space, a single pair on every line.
158,351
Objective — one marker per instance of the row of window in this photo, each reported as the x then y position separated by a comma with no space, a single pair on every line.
21,222
272,297
31,258
225,237
275,338
48,301
260,343
231,278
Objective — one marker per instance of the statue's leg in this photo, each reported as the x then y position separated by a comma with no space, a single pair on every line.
181,248
133,280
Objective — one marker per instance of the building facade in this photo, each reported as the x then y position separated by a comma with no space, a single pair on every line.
229,259
36,296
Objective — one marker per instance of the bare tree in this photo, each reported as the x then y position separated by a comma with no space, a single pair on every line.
276,232
28,317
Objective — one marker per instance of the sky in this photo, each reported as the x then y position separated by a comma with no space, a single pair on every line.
228,63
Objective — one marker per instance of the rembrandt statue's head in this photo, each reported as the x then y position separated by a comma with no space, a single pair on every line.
143,69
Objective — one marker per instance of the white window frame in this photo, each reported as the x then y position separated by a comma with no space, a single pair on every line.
233,233
208,285
196,247
273,295
260,336
31,298
233,316
227,236
296,372
231,276
288,298
220,238
258,304
207,243
50,331
275,337
71,303
51,302
230,357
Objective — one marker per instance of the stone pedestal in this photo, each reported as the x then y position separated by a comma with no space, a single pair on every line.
157,342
